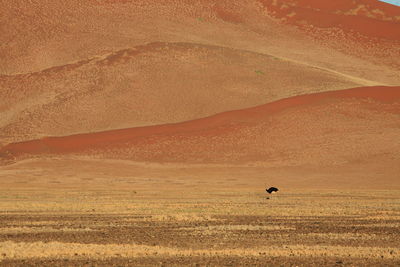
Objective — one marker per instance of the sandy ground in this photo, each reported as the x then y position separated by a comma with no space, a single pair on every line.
223,225
68,212
88,174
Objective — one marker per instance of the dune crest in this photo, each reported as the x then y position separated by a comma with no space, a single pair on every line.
151,84
367,29
319,128
369,18
106,65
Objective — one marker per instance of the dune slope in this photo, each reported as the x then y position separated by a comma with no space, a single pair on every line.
71,67
369,18
369,29
42,34
151,84
329,128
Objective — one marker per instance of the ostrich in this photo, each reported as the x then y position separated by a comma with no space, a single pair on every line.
271,190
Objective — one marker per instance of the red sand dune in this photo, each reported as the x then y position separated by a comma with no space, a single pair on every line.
42,34
347,125
105,65
370,18
367,29
152,84
72,67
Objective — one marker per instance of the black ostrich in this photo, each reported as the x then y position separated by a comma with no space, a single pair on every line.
271,190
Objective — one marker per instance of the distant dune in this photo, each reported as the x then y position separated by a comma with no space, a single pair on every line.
42,34
327,128
79,66
229,82
368,18
151,84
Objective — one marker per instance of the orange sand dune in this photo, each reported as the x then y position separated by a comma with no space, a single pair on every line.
70,67
327,128
367,29
151,84
42,34
370,18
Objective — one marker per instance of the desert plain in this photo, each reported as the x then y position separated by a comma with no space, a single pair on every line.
144,133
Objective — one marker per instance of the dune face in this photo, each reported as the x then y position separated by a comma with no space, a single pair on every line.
142,81
45,34
93,66
151,84
317,129
369,18
367,28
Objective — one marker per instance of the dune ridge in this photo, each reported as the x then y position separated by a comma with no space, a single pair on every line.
49,33
140,82
122,55
151,84
106,65
366,29
369,18
235,135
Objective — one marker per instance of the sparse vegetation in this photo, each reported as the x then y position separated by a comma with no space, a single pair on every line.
309,228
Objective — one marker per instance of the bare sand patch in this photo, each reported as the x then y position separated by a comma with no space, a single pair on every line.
20,250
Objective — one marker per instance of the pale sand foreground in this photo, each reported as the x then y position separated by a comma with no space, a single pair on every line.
22,250
197,220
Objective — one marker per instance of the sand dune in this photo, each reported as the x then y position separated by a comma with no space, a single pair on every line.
327,128
142,81
152,84
45,33
366,28
369,18
75,67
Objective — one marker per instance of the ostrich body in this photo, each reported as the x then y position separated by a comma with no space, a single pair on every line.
271,190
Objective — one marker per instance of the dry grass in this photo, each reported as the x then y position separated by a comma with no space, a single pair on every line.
27,230
118,226
60,250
